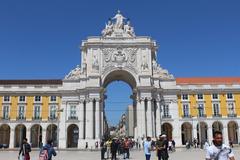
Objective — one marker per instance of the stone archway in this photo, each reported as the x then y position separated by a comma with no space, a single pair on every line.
113,57
217,126
36,136
51,134
233,132
72,136
167,129
202,134
20,133
186,129
5,135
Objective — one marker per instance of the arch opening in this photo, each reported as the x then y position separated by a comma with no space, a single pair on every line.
167,129
36,136
5,135
72,136
233,132
51,134
20,133
186,129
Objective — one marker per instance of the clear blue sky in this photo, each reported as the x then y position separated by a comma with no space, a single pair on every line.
40,39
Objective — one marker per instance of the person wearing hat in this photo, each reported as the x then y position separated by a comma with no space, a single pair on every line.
161,147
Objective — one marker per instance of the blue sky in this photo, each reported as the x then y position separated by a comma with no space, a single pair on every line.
40,39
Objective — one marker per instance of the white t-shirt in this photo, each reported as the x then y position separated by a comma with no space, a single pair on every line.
225,152
147,147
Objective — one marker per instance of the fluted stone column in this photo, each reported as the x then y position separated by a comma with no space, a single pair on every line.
28,134
141,130
149,118
81,119
210,134
11,142
44,133
225,135
97,119
89,119
158,119
62,136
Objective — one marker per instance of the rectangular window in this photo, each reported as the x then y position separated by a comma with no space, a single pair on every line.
52,112
185,97
215,109
21,112
165,110
231,109
37,112
229,96
37,98
21,98
53,98
5,112
6,98
200,96
73,112
186,110
214,96
201,110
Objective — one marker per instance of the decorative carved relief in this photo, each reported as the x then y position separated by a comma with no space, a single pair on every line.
119,57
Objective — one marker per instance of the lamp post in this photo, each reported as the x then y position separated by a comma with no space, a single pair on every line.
58,113
199,126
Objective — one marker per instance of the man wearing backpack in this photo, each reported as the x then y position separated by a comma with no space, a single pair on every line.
47,151
24,150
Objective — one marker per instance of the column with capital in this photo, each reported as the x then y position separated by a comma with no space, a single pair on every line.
44,140
11,141
89,119
61,128
225,135
158,119
97,119
143,117
81,124
210,134
149,118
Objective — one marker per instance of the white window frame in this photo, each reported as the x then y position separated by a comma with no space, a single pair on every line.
19,99
229,98
217,96
24,113
37,101
202,97
189,112
234,109
8,111
219,108
183,96
50,99
70,111
166,111
50,107
204,110
40,111
9,98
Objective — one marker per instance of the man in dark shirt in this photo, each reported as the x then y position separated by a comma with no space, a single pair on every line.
25,149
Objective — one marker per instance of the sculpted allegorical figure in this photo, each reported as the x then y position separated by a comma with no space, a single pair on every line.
108,28
129,29
119,20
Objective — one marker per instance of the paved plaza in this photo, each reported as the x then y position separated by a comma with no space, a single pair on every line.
180,154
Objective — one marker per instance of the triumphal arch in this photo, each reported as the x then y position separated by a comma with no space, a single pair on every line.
118,54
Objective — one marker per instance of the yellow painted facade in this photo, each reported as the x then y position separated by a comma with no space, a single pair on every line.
208,104
29,107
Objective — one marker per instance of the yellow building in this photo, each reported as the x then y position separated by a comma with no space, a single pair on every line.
212,102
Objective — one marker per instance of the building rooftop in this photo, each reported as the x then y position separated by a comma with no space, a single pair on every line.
208,80
33,81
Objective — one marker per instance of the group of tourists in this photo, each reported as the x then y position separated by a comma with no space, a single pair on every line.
162,145
116,146
46,151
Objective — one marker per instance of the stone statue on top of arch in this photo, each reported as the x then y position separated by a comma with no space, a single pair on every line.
119,20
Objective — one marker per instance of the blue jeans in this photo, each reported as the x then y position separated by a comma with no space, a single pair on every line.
147,156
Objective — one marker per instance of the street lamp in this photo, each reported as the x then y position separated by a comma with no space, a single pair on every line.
199,126
58,113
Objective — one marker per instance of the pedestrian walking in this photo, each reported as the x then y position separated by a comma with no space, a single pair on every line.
25,149
103,149
114,147
47,151
218,150
126,148
147,148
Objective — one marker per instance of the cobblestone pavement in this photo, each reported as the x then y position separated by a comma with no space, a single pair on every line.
180,154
